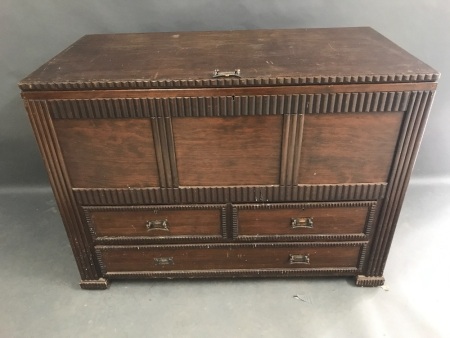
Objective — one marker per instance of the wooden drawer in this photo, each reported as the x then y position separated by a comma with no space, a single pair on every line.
222,256
288,221
156,223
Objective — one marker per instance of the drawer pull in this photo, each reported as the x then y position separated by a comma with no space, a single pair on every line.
298,259
158,224
236,73
302,222
163,261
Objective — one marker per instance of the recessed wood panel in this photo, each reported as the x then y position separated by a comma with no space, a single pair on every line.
108,153
222,151
348,147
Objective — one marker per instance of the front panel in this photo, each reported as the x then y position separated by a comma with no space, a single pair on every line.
108,153
348,147
223,151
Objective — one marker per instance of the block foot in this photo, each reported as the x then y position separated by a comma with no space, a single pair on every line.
98,284
362,280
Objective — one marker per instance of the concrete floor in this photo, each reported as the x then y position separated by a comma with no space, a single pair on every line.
40,296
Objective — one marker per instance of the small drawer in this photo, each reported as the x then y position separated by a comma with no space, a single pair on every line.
222,256
156,222
350,220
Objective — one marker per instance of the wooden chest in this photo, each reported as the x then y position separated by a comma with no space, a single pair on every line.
230,154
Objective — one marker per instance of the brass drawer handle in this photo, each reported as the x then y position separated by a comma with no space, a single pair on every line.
164,261
298,259
302,222
158,224
236,73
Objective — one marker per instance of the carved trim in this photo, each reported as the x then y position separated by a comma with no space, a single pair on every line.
101,248
327,192
87,210
301,272
362,257
235,222
165,151
291,147
412,130
370,218
368,232
224,221
102,265
369,204
316,237
87,217
155,207
227,82
79,237
369,280
122,240
229,105
157,140
99,284
235,194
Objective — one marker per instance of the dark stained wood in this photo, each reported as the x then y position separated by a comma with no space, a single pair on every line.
79,239
324,126
245,105
235,273
108,153
409,143
288,56
338,149
291,147
165,154
133,222
228,151
195,92
142,258
329,220
227,194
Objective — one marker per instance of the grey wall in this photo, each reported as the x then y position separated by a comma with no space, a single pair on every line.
31,32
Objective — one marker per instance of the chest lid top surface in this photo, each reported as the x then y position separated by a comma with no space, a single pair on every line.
264,57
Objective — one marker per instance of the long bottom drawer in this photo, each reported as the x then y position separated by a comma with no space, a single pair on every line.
216,258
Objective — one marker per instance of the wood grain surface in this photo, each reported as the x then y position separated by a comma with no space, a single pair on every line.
348,148
132,223
187,59
216,151
108,153
331,220
221,257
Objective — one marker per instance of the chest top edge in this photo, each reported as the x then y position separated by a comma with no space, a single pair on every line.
281,57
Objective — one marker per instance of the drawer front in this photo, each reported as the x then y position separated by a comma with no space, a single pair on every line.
228,256
157,222
297,220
